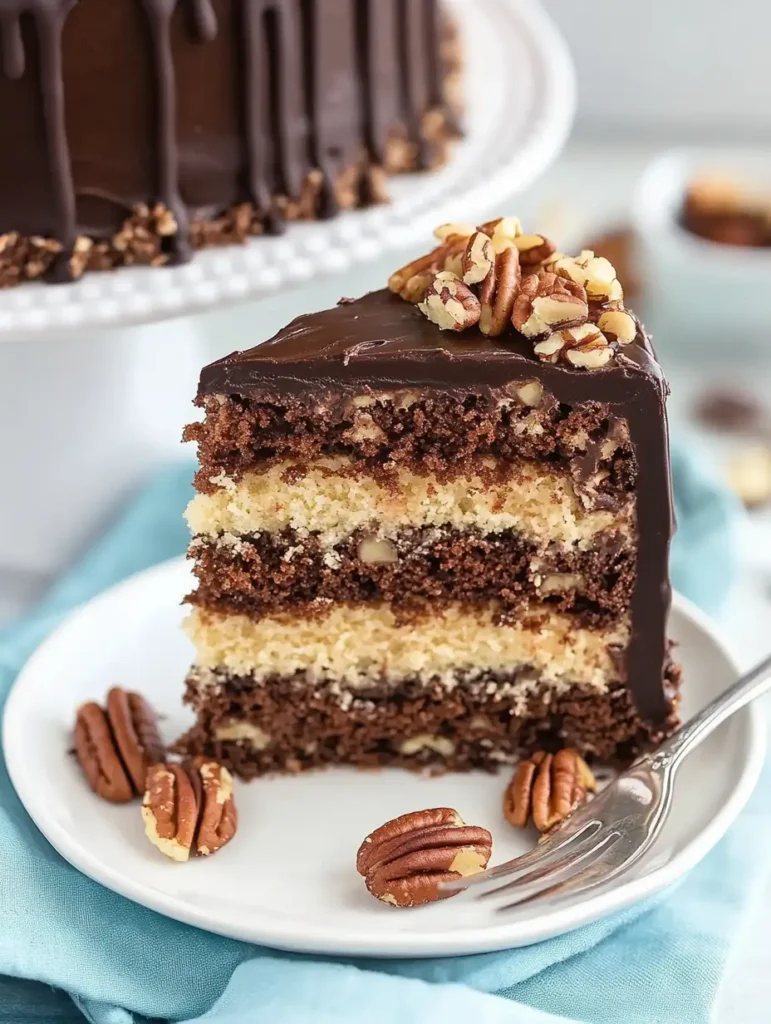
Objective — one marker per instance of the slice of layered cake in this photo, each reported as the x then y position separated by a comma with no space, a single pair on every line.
432,523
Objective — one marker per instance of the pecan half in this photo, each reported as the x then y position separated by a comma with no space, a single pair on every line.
170,810
548,788
498,293
97,754
116,746
403,282
404,861
450,304
546,301
188,809
412,281
218,818
135,728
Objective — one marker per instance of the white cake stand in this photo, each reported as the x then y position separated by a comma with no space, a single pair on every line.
94,389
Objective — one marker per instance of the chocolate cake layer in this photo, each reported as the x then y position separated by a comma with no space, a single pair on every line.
269,573
228,117
429,432
281,726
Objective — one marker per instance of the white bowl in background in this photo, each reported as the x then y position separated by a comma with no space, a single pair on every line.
696,290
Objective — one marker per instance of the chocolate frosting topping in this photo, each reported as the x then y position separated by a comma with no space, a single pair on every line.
381,343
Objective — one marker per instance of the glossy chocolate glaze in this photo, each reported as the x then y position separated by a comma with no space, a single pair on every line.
199,104
381,343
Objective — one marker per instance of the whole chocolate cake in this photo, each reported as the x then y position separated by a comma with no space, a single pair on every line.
135,131
432,523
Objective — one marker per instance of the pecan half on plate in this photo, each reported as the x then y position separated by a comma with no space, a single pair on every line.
547,787
115,746
188,809
404,860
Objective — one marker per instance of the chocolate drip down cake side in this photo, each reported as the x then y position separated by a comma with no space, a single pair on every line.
136,131
433,523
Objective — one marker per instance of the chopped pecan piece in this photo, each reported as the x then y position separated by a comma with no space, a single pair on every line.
98,756
404,861
422,268
595,273
548,788
546,301
749,475
450,304
479,259
448,232
584,346
534,249
415,288
412,282
189,808
116,746
618,325
503,231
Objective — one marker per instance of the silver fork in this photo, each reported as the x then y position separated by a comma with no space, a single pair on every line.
606,836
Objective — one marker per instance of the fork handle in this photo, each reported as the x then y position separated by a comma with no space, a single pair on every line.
754,684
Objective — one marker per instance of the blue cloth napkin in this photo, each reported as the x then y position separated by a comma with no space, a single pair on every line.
656,962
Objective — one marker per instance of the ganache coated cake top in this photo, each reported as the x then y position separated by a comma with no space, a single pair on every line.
381,341
485,307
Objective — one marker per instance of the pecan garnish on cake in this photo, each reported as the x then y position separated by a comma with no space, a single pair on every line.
449,303
499,279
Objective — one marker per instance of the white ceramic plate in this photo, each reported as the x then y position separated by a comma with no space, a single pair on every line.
520,95
288,878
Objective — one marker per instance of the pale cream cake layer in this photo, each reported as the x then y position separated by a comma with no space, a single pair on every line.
333,501
354,645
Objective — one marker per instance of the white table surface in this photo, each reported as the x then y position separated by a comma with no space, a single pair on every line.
593,186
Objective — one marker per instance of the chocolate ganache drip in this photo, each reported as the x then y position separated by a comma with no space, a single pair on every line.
298,94
159,13
205,20
13,45
48,17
